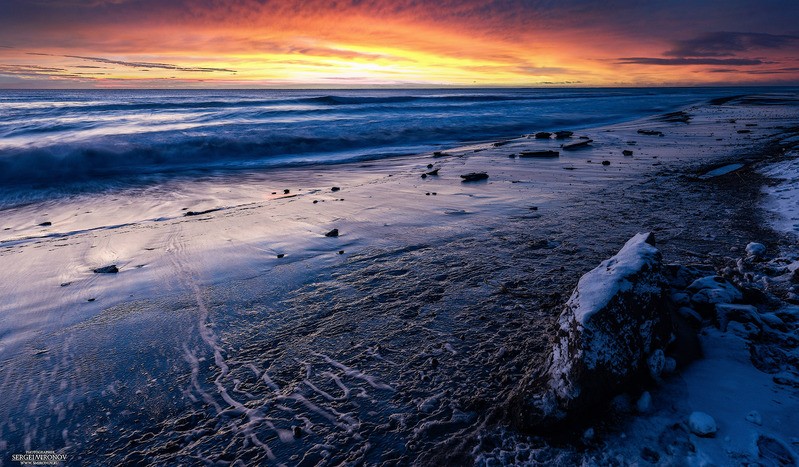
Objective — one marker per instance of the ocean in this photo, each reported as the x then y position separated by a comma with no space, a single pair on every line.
52,138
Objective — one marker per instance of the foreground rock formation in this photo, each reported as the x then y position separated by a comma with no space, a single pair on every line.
612,334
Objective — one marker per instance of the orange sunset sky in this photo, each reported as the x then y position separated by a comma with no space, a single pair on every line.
353,43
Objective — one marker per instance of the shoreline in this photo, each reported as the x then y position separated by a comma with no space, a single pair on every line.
473,268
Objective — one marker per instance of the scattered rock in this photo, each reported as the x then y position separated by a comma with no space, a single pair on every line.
543,135
539,154
112,269
440,154
754,417
702,424
744,131
286,191
65,284
563,134
499,144
297,430
627,152
46,224
332,233
774,451
691,316
712,290
650,132
650,455
644,404
756,250
280,255
199,213
341,252
315,201
748,314
424,175
577,145
605,162
335,188
474,176
91,299
433,173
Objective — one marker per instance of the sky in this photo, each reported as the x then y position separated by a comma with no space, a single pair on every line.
397,43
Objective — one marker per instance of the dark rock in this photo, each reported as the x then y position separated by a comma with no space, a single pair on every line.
341,252
46,224
280,255
424,175
543,135
611,337
512,156
297,431
433,172
429,166
198,213
539,154
499,144
286,191
650,455
743,132
91,299
605,162
335,188
563,134
474,176
627,152
65,284
332,233
578,145
315,201
112,269
440,154
650,132
774,451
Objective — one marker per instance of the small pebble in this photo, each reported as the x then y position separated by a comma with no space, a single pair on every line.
280,255
754,417
702,424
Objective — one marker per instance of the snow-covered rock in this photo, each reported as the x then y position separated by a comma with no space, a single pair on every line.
702,424
611,334
711,290
725,313
644,403
755,249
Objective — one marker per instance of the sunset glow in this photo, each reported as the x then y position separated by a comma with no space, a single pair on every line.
211,43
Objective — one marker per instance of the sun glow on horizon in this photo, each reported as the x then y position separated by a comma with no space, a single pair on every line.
208,43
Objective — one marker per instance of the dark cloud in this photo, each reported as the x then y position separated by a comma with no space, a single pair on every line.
29,70
726,44
165,66
689,61
140,65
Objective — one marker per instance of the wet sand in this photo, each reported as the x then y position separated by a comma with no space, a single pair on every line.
208,347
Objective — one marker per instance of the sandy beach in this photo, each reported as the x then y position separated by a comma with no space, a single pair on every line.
236,330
